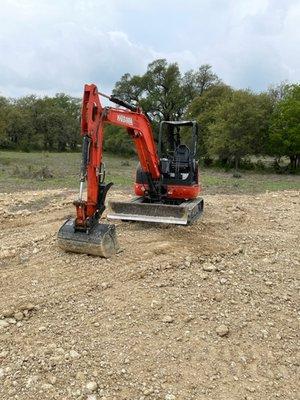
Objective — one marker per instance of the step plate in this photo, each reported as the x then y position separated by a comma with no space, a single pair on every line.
137,210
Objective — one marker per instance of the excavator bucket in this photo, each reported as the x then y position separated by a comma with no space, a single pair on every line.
138,210
100,241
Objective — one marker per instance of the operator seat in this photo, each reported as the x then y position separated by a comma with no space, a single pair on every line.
182,156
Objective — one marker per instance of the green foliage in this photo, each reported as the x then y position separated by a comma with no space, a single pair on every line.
197,82
232,123
240,125
202,109
285,127
32,123
163,91
117,141
4,104
278,92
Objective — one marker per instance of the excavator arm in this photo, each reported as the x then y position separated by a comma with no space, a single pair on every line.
93,119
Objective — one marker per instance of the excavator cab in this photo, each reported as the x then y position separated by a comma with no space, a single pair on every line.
172,199
173,134
177,146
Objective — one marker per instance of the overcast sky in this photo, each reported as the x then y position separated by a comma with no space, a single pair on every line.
49,46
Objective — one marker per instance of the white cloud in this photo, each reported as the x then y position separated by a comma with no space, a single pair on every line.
53,46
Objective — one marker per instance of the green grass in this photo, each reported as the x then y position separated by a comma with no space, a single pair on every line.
65,168
19,171
249,182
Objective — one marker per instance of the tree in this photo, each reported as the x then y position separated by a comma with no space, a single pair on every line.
4,104
202,109
118,141
163,91
278,92
22,127
130,88
158,91
32,123
285,127
240,125
19,129
58,120
201,80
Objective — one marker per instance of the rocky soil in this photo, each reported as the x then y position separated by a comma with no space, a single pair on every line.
182,313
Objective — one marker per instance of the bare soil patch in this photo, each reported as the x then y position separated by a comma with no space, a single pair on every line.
201,312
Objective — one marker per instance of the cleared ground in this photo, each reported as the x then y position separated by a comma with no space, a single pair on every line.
201,312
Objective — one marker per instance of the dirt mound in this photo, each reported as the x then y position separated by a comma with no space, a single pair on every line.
201,312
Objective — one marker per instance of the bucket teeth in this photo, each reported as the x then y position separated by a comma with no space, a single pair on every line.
100,241
137,210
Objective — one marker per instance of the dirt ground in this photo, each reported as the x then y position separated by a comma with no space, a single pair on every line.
201,312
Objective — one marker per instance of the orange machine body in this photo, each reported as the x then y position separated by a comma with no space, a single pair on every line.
93,119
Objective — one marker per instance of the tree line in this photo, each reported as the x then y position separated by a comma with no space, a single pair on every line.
32,123
234,124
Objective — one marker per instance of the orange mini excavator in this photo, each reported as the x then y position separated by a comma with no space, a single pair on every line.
166,185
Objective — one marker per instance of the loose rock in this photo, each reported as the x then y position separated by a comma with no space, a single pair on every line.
167,319
28,307
222,330
74,354
208,267
91,387
3,324
42,328
218,297
170,397
19,316
8,313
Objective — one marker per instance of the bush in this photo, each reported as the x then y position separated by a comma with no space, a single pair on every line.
118,141
31,172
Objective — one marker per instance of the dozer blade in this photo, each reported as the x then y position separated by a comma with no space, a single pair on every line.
138,210
100,241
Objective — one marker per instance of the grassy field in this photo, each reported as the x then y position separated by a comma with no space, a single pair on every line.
27,171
